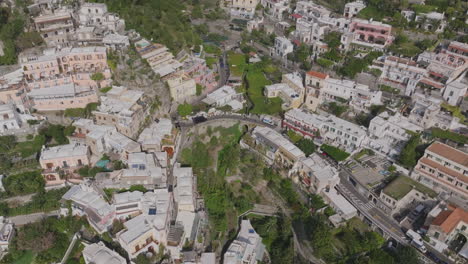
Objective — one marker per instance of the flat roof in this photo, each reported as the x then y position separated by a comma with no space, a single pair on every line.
402,185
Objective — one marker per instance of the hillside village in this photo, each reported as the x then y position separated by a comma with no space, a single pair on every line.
269,131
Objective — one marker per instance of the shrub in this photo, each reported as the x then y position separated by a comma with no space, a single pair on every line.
334,152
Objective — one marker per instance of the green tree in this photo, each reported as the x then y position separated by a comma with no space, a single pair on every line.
184,109
333,40
408,156
406,254
306,145
7,143
98,77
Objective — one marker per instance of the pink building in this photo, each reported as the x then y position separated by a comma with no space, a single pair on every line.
368,32
65,159
62,97
197,69
64,66
13,90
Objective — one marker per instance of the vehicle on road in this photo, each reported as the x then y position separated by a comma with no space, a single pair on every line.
416,240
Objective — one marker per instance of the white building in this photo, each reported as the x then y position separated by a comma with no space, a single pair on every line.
275,8
143,170
454,93
316,174
181,86
86,201
432,21
115,41
148,230
10,119
344,209
289,96
401,73
184,190
158,56
98,253
332,129
157,137
390,133
95,14
247,248
360,96
276,148
103,139
281,48
225,95
244,9
351,9
7,232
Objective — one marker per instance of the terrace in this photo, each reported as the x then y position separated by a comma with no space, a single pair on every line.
402,185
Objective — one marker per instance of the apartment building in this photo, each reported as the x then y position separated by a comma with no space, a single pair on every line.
401,73
96,14
98,253
289,96
281,48
310,32
274,147
389,133
315,174
197,69
54,67
122,108
223,96
367,34
332,129
13,90
276,9
85,201
426,113
56,28
244,9
445,67
64,156
158,56
314,82
444,169
351,9
159,136
10,119
184,190
246,248
145,232
143,169
455,92
450,223
181,86
103,139
62,97
361,98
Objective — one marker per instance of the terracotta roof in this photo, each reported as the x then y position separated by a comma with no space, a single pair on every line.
444,169
320,75
450,153
433,84
449,219
297,42
296,15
